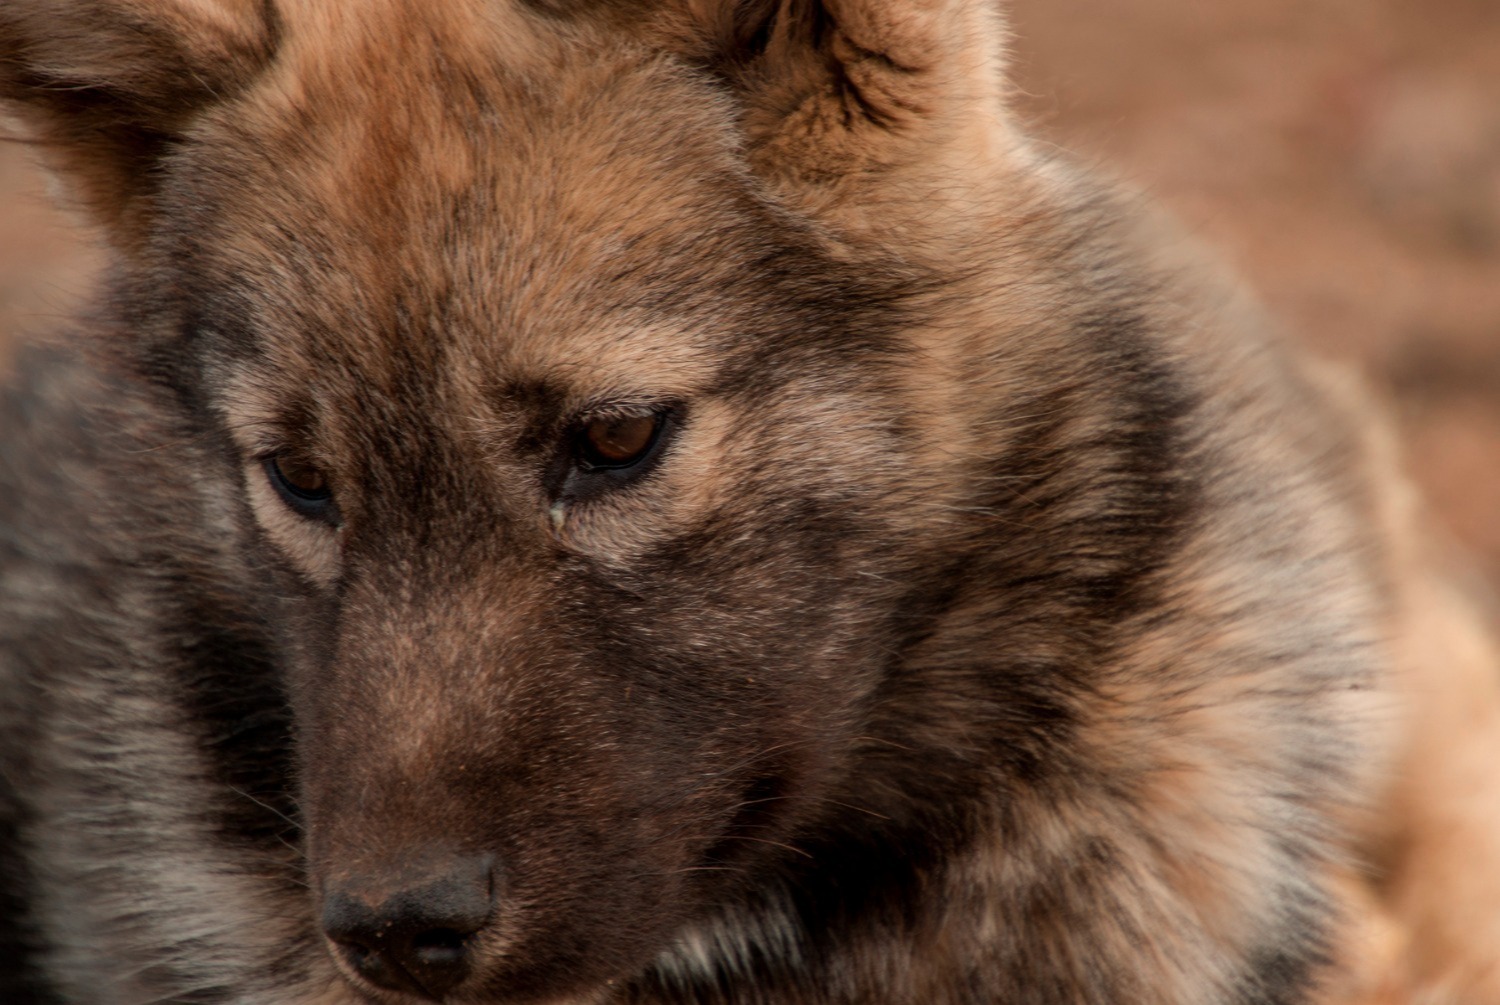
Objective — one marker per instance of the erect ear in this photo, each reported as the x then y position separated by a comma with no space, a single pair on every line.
840,90
105,88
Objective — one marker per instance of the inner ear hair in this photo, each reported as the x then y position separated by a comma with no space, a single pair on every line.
102,88
841,97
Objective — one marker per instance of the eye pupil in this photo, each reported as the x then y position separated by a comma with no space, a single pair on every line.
302,478
616,442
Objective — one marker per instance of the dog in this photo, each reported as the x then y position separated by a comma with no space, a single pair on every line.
609,502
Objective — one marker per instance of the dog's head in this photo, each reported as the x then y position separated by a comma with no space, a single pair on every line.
574,378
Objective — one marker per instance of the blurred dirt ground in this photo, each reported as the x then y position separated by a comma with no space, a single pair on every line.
1343,154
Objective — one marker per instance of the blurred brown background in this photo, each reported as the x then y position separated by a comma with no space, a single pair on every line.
1344,154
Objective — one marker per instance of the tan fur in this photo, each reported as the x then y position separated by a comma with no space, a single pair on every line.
1215,723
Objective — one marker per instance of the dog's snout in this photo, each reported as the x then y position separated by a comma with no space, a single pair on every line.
415,937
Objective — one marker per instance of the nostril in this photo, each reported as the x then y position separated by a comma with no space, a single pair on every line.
441,947
417,937
375,967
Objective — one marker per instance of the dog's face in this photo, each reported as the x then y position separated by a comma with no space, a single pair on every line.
572,450
582,460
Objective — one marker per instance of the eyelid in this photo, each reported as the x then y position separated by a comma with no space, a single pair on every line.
622,409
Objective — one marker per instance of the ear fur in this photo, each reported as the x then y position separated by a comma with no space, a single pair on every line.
104,88
840,88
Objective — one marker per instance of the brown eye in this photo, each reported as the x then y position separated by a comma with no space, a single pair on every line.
618,442
303,478
301,486
608,451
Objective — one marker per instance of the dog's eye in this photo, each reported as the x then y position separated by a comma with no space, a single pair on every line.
617,442
301,486
609,451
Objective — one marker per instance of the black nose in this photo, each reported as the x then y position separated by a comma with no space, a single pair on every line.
415,939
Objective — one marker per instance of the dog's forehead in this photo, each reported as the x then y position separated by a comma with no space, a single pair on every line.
538,205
